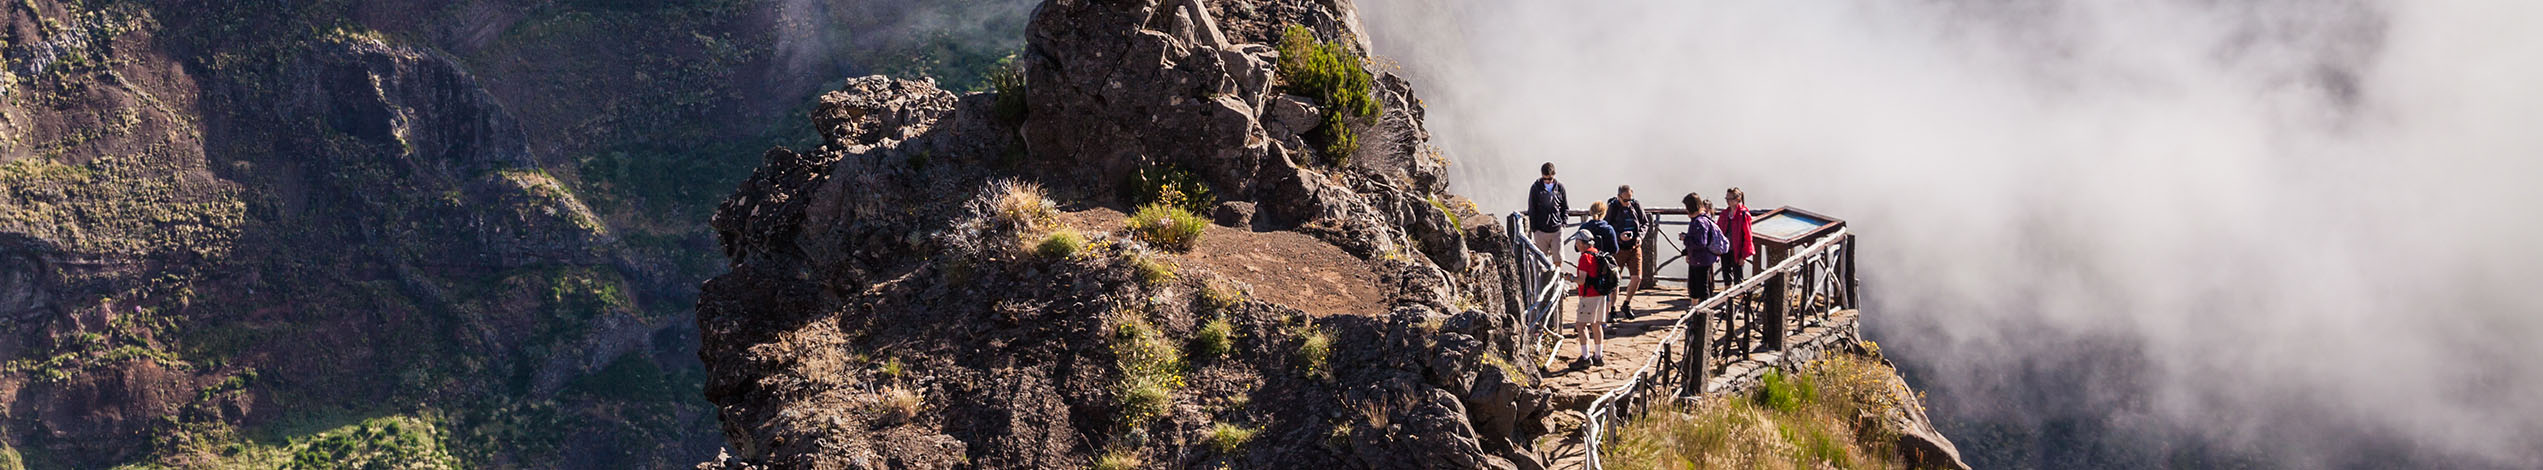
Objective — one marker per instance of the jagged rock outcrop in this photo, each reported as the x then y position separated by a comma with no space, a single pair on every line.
885,311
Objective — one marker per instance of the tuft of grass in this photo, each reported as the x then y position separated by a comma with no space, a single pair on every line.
1152,271
1214,339
1454,222
892,367
901,402
1228,438
1061,244
1118,460
1167,226
1023,205
1219,296
1151,370
1332,73
1314,348
1509,371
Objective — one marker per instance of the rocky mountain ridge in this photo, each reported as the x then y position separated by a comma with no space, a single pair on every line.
885,309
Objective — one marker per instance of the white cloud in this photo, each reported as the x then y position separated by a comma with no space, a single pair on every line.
2316,206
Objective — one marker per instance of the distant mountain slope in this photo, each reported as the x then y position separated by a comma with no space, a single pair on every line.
240,233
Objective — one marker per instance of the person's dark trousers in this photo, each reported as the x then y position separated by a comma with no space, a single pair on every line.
1731,275
1700,282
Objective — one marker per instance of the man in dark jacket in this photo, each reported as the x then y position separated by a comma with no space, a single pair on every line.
1547,214
1626,215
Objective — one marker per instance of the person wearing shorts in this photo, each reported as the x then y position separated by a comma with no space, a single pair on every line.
1626,215
1591,320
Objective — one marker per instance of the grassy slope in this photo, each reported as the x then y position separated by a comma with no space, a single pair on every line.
1826,414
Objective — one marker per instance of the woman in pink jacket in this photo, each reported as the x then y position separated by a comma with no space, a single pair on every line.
1734,221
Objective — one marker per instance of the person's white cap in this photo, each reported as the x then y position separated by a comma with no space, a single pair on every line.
1583,236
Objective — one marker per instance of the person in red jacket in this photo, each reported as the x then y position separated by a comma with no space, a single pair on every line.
1734,221
1592,319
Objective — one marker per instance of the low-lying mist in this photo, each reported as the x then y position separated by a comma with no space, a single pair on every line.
2174,232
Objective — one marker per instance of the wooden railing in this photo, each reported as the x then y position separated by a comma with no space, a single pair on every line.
1801,290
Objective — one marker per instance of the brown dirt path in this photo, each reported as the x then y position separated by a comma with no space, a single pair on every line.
1629,344
1287,268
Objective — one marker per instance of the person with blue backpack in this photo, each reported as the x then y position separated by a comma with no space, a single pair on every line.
1597,277
1704,243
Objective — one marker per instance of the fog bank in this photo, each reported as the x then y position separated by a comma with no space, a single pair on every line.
2290,230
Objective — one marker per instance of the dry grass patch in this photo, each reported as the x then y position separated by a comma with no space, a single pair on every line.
901,402
1828,414
1023,205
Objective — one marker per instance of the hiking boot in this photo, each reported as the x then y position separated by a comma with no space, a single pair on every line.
1598,360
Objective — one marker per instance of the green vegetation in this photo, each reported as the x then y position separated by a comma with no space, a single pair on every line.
1228,438
1006,79
632,377
1828,414
1061,244
120,205
891,368
1152,271
1214,339
1167,226
1118,459
1785,394
1454,221
1509,371
1314,348
389,442
1151,370
1332,73
1172,186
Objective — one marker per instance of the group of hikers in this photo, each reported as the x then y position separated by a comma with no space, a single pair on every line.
1610,247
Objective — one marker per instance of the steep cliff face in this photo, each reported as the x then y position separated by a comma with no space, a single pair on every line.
890,305
430,232
286,225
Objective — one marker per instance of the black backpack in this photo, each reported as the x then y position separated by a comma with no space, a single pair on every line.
1603,280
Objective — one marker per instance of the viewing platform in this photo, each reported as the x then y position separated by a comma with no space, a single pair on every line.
1800,307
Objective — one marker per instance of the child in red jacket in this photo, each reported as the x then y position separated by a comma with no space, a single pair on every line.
1591,322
